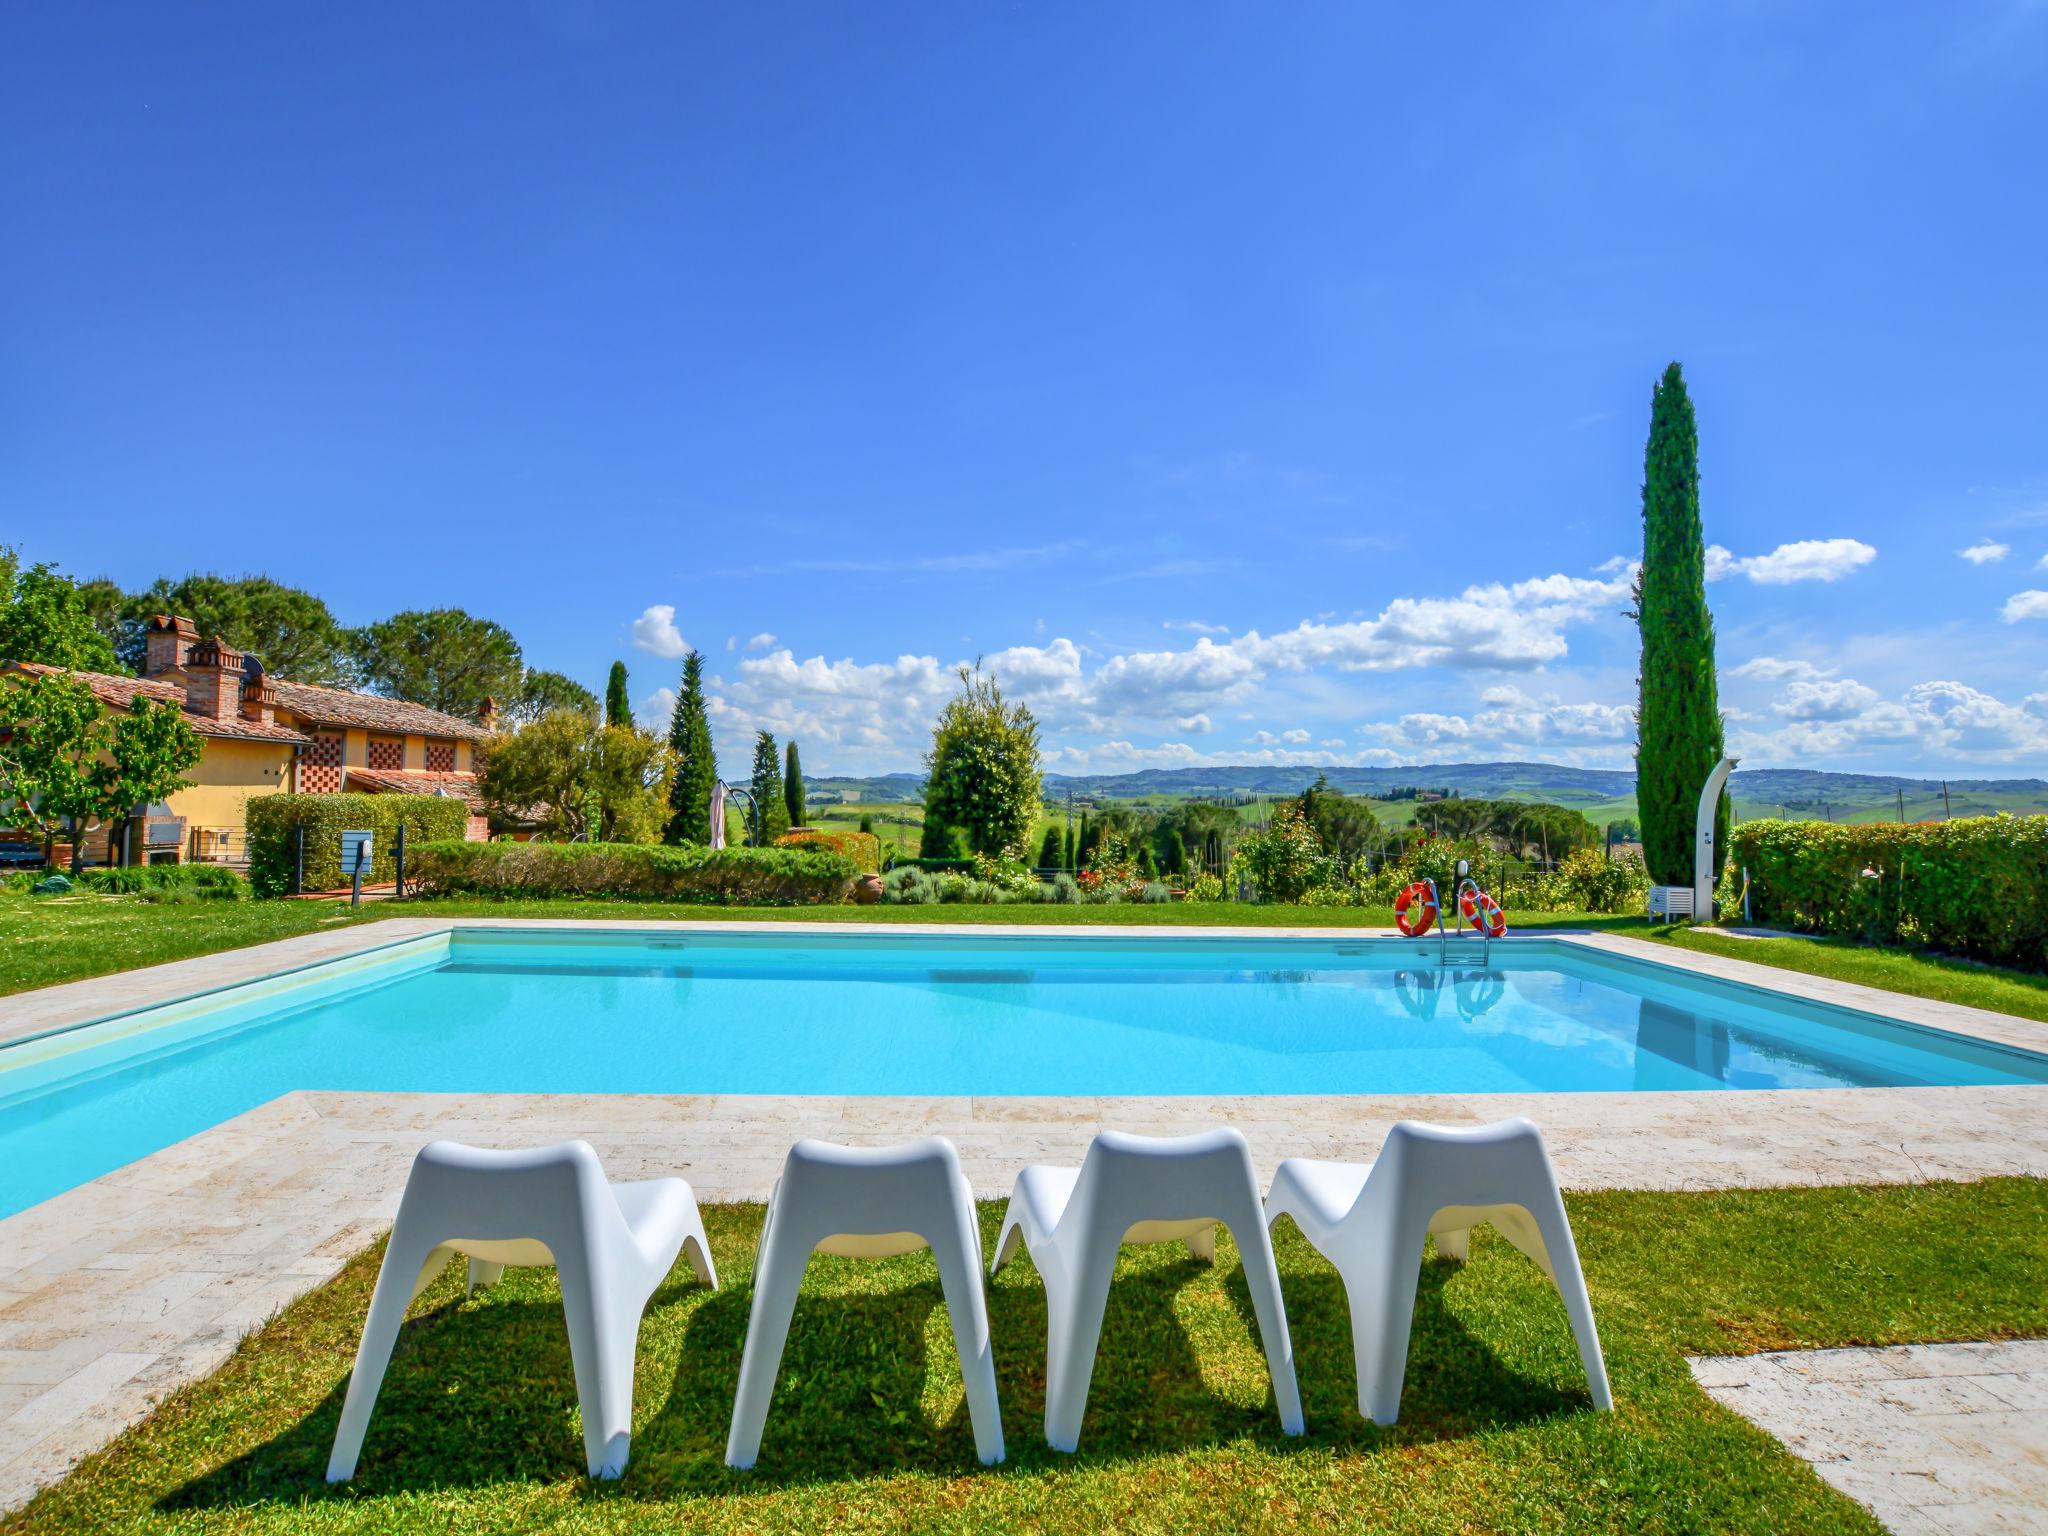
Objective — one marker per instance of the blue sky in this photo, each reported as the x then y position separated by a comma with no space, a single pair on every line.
1245,383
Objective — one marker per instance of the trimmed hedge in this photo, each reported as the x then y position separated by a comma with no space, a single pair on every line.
936,866
864,848
1978,886
274,820
636,871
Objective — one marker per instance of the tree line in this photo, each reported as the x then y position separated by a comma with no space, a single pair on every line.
445,658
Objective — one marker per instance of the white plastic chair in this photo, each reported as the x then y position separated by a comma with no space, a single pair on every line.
1138,1189
611,1245
1369,1219
866,1203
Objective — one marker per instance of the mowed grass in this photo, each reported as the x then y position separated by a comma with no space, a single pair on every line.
45,940
477,1428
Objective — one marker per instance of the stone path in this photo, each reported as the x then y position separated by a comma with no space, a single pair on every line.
1934,1439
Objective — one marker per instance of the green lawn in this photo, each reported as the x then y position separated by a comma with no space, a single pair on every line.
476,1429
45,940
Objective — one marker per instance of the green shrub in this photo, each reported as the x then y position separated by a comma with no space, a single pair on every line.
275,819
212,882
1206,888
864,848
636,871
1588,881
1978,886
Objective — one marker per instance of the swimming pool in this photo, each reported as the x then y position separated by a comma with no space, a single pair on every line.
536,1011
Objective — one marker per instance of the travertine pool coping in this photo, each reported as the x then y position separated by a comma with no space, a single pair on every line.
118,1292
1933,1439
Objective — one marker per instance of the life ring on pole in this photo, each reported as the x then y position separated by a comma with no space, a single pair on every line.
1422,892
1483,912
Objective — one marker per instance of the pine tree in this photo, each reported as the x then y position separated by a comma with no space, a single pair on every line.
1177,853
793,787
689,737
771,814
1678,714
1049,851
618,707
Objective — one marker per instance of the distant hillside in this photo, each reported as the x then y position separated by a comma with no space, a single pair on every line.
1602,793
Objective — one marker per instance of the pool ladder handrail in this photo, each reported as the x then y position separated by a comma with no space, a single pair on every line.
1455,913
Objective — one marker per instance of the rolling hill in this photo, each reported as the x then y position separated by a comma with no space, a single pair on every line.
1604,794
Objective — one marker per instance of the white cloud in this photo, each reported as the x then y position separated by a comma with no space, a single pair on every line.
2042,564
1834,699
1806,560
1196,626
656,710
1295,738
1200,725
2025,605
655,632
1985,552
1589,734
1774,669
1940,721
761,642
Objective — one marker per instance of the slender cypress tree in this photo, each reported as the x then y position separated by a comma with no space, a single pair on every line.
793,787
1177,853
1050,849
1678,712
689,737
618,707
767,787
1072,846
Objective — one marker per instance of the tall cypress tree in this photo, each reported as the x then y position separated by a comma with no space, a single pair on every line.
767,787
1050,849
618,708
689,737
793,787
1678,712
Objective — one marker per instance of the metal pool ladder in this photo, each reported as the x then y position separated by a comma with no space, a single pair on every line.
1453,913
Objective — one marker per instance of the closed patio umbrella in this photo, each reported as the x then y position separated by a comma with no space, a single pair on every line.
718,814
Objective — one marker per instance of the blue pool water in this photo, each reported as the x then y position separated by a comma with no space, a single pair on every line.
925,1014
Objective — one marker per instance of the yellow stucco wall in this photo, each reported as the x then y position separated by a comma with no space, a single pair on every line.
228,775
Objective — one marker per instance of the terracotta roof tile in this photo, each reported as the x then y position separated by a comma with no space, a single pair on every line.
395,781
122,692
367,711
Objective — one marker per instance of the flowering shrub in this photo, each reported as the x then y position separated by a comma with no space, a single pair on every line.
1111,874
1286,861
1007,871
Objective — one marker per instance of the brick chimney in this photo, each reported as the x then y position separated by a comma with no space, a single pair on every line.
213,679
168,642
487,717
259,695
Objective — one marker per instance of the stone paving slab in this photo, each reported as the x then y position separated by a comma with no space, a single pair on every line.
1933,1439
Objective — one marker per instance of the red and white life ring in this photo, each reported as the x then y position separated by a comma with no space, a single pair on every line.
1483,912
1419,891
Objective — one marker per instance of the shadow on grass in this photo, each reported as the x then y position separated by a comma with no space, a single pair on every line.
482,1394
